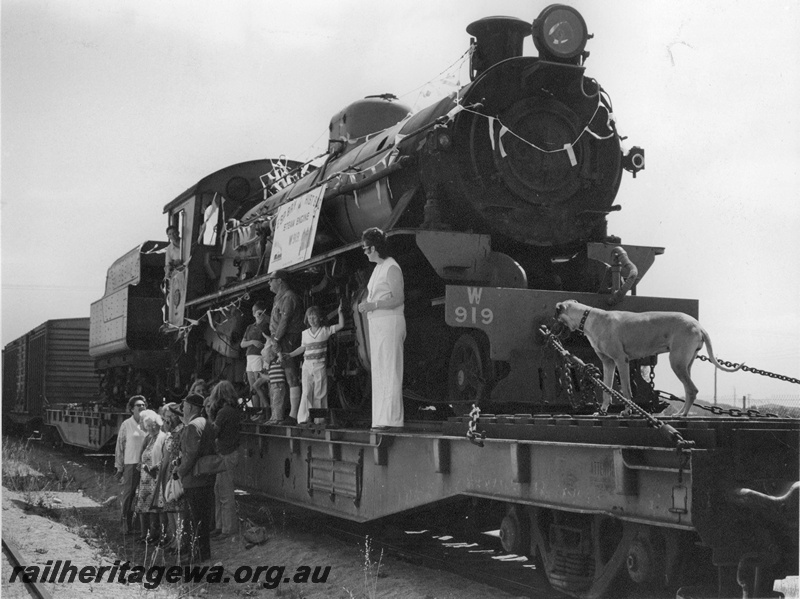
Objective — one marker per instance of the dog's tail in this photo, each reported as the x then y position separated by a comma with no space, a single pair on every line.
711,357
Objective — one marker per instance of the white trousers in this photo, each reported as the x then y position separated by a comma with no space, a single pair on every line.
386,337
314,377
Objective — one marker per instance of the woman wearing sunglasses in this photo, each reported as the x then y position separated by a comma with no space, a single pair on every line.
129,448
384,308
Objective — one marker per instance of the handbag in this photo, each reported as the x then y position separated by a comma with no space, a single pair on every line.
254,535
208,464
211,463
173,490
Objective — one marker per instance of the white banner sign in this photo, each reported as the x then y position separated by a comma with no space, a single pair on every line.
295,228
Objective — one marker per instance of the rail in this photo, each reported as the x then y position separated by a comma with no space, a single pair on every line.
15,557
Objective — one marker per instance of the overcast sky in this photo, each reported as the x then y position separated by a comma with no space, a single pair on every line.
111,109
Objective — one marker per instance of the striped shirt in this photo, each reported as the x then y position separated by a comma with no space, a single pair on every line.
316,344
276,373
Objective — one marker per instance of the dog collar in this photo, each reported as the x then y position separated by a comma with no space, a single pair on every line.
583,321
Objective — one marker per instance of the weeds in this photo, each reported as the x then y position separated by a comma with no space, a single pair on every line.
17,474
371,572
13,451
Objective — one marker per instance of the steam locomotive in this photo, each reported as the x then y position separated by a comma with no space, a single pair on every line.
495,200
506,183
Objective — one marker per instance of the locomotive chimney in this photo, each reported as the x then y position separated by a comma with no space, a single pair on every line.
495,39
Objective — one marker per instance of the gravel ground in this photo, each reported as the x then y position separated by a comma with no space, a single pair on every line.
66,508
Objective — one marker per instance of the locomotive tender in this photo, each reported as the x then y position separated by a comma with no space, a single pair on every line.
496,201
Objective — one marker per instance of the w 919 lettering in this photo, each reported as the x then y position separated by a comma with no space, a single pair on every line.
462,314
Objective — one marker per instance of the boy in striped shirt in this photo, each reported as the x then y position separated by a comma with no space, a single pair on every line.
272,374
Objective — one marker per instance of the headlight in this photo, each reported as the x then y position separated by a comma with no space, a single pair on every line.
559,34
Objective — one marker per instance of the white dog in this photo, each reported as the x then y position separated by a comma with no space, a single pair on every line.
619,337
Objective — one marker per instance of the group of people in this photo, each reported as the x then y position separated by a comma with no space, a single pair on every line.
273,344
270,374
155,448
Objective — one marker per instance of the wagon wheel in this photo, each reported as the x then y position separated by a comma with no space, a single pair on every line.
354,392
469,373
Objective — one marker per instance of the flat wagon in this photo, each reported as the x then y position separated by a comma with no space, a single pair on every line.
601,502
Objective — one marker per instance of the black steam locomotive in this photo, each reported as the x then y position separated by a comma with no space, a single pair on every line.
506,183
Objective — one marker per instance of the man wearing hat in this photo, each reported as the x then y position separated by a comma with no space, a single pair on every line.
197,441
286,327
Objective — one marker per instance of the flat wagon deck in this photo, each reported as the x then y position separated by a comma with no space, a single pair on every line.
591,496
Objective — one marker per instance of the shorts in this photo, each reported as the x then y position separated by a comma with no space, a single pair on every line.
277,391
254,363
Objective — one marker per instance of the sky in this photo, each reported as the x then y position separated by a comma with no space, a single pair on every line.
112,109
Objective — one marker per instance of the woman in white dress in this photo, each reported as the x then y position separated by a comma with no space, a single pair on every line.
387,331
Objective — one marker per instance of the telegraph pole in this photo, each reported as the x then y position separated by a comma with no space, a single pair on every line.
715,386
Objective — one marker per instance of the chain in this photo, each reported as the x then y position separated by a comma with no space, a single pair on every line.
472,432
735,412
587,389
746,368
565,380
591,374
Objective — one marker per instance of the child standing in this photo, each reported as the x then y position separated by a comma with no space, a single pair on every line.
314,344
274,377
253,344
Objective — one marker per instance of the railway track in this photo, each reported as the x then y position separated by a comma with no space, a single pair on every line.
422,540
12,554
473,559
418,541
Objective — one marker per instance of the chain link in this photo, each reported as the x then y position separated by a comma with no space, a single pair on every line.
565,381
716,410
473,434
591,374
746,368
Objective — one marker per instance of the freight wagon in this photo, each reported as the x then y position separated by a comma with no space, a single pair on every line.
49,379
